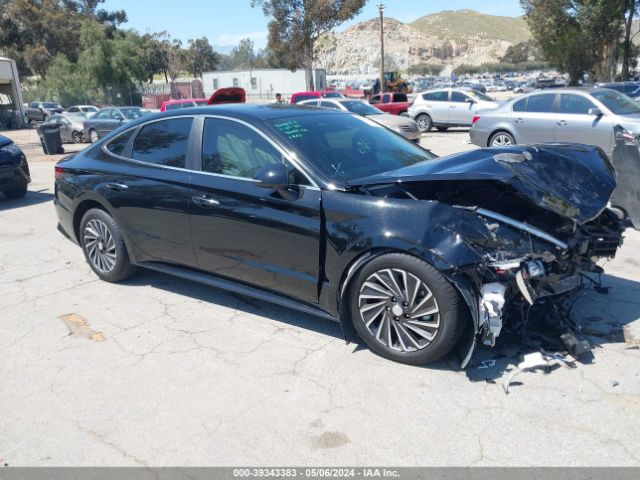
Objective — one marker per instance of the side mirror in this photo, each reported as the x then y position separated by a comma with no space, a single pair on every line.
273,177
596,112
469,100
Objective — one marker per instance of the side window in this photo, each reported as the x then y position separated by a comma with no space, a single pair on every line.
72,109
386,98
103,114
117,145
541,103
520,105
230,148
575,104
375,100
400,97
436,96
458,97
34,104
115,114
164,142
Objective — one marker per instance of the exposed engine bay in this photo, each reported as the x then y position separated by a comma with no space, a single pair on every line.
536,239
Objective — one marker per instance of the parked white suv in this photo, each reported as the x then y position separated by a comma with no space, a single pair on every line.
448,107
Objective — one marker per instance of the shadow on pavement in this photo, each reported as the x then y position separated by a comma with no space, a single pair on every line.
31,198
226,299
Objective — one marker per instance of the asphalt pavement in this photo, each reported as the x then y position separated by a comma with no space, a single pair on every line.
160,371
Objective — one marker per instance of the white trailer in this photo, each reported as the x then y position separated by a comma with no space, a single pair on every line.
11,107
263,84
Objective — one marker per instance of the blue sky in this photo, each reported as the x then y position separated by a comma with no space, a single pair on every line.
225,22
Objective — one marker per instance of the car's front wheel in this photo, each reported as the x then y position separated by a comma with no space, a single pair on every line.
502,139
405,310
424,122
104,246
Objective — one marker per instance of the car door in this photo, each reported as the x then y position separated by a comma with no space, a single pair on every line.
537,123
114,121
65,127
149,188
575,125
461,108
100,121
248,233
436,104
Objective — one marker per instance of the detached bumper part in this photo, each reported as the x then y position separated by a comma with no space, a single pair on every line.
491,304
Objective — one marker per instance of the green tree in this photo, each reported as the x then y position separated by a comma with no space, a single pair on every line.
200,57
243,56
296,26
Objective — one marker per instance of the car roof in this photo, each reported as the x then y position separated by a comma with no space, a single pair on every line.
246,111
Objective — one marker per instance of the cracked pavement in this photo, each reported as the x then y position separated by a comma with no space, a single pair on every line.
159,371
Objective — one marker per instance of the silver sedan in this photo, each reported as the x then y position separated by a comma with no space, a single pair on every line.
573,115
399,124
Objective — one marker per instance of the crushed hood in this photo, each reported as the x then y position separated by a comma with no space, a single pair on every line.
571,180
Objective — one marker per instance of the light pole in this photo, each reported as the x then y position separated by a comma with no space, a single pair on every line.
381,8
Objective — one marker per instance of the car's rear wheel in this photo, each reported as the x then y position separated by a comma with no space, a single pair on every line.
76,137
405,310
93,136
424,122
16,192
502,139
104,246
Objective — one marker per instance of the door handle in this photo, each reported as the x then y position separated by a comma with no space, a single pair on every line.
117,186
452,106
519,120
205,201
562,123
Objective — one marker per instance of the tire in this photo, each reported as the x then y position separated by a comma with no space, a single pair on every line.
93,136
45,118
425,123
76,137
398,322
442,129
501,139
17,192
104,247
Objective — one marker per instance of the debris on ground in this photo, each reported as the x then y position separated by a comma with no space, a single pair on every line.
536,361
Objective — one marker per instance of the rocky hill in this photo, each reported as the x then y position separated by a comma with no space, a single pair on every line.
448,38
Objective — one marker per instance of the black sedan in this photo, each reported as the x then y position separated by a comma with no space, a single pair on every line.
282,203
14,169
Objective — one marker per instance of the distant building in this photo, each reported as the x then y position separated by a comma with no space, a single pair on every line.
263,84
11,107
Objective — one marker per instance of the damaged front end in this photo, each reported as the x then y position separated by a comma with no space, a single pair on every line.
537,217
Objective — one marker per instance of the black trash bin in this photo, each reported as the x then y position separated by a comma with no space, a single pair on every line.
50,139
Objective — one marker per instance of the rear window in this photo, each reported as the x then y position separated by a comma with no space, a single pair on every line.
164,142
541,103
436,96
117,145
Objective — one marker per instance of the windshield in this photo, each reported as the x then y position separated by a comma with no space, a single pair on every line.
51,105
133,113
345,147
480,96
332,95
618,103
361,108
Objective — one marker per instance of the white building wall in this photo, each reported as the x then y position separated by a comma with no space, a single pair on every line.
266,82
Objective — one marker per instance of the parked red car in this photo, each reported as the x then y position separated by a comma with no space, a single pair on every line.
393,103
183,103
300,96
228,95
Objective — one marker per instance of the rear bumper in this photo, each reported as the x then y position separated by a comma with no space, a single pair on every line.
479,137
14,176
65,216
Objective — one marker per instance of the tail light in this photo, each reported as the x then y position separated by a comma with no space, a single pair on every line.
475,119
58,172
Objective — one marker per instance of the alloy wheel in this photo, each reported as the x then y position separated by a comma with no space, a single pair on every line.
424,123
93,136
76,137
99,245
501,140
399,310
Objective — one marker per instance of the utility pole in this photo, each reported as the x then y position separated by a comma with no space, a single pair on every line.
381,8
